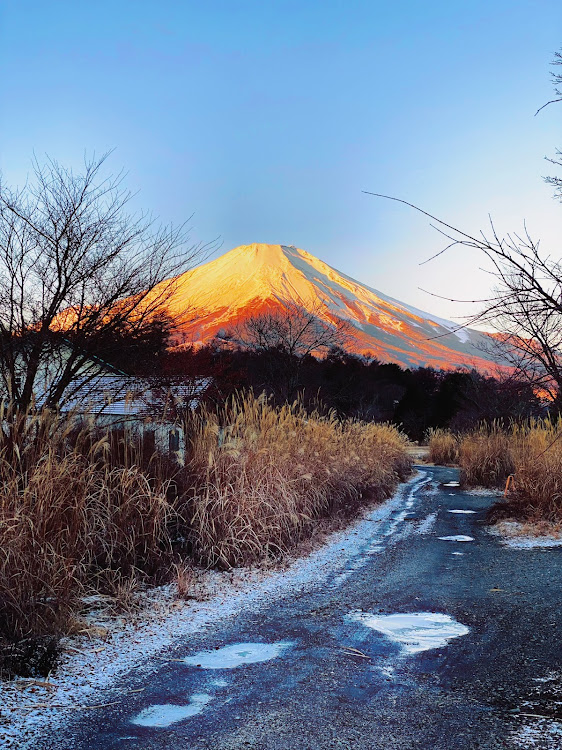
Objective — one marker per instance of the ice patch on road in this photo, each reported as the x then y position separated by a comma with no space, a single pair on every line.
459,510
230,657
416,631
426,524
166,714
457,538
391,529
387,671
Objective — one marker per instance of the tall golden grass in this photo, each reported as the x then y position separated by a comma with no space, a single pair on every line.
485,457
532,453
70,521
443,447
264,475
83,510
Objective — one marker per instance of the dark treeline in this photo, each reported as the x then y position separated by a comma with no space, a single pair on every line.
354,386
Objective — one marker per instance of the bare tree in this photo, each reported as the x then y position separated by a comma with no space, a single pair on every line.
78,273
288,334
526,306
556,182
293,329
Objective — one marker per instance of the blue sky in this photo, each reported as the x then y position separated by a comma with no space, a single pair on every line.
266,120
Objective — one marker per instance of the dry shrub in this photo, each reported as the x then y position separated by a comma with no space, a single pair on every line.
263,475
70,520
83,511
443,447
185,579
485,457
532,453
537,450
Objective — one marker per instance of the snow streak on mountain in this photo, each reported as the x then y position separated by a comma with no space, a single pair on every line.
255,278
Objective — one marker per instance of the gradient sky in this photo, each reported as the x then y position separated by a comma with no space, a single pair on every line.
266,120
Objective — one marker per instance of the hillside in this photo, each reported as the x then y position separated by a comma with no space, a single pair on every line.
259,277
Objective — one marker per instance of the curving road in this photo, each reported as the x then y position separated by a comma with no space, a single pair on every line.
420,642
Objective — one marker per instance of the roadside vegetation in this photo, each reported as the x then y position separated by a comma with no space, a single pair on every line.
443,447
276,471
86,512
529,453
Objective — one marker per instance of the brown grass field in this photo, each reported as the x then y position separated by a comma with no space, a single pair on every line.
82,511
530,453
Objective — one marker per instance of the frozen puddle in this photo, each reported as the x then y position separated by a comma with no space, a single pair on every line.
452,484
457,538
415,632
458,510
166,714
237,655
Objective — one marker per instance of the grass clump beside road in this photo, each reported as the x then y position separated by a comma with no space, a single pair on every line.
84,512
486,457
73,520
443,447
530,453
276,471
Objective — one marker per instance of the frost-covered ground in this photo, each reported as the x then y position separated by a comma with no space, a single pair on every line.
524,536
113,645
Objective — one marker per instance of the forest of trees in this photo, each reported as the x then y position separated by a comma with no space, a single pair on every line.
353,386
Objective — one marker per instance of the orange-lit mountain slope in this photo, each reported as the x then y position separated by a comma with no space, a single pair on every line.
258,277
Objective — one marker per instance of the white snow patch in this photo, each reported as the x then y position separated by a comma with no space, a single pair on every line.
457,538
166,714
220,683
459,510
415,632
387,671
230,657
484,492
462,334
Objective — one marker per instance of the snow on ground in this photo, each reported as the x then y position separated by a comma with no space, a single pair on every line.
519,536
426,524
230,657
540,715
167,714
543,734
457,538
114,647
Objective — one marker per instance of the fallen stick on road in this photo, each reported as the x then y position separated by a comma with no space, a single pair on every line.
350,651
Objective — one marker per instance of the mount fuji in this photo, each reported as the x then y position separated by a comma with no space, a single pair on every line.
257,278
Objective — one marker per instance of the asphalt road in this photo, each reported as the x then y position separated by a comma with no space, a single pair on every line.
328,667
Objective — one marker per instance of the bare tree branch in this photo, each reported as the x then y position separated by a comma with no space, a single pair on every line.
77,267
